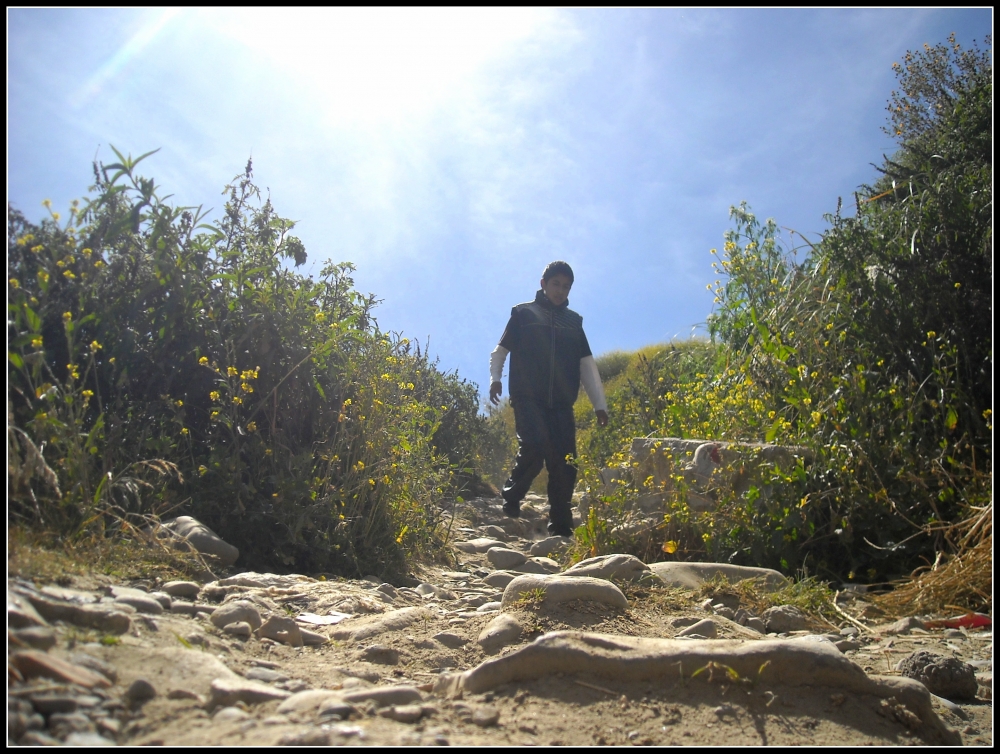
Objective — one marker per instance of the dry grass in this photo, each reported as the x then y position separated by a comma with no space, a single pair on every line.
962,582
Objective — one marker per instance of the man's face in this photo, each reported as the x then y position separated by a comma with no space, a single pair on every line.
557,289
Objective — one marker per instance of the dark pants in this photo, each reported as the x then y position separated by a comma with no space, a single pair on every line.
544,436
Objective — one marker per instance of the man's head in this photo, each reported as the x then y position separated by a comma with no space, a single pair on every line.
557,279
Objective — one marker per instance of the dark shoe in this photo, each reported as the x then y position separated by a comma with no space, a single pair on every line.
512,510
560,531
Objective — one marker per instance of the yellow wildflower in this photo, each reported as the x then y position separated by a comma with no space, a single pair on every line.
232,371
202,470
95,346
36,342
14,283
203,361
67,316
184,431
237,400
43,276
252,427
69,275
214,395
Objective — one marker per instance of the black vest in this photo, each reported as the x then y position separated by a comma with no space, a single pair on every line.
546,344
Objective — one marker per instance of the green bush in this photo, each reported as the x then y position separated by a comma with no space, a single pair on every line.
162,365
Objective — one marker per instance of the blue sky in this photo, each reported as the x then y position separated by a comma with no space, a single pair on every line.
451,154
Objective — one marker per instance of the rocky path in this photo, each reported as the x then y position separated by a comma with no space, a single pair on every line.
507,647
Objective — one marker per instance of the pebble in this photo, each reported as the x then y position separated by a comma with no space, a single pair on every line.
186,589
336,709
34,664
380,654
238,611
184,694
310,737
499,632
229,715
403,713
266,675
93,663
37,637
547,546
705,628
450,640
35,738
61,724
946,677
500,579
486,717
47,704
756,624
163,598
502,557
228,691
784,618
385,695
139,691
241,630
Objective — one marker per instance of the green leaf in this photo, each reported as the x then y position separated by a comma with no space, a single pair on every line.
34,321
15,359
951,420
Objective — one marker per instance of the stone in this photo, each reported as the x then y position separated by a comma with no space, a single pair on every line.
140,691
229,715
61,724
380,654
481,544
255,580
184,589
694,575
904,626
562,588
450,640
370,626
34,664
47,703
21,613
225,692
757,625
266,675
847,645
88,738
308,737
190,531
185,694
336,709
705,628
163,598
403,713
305,702
36,637
501,557
489,607
183,607
283,629
142,602
238,611
495,532
784,618
474,600
617,566
486,717
500,579
385,695
547,546
241,630
35,738
112,619
947,677
499,632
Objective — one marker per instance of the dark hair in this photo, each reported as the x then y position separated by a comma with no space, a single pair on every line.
558,268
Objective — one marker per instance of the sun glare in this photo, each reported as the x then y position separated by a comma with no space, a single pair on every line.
369,64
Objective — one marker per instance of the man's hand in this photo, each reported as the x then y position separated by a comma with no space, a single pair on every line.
496,390
602,418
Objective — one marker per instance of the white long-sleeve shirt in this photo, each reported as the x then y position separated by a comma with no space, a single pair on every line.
589,376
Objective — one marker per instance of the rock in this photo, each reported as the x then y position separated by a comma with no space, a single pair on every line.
482,544
947,677
904,626
266,675
757,625
705,628
395,620
109,619
562,588
229,715
450,640
163,598
495,532
88,738
182,607
305,702
403,713
547,546
36,637
380,654
185,694
241,630
538,565
489,607
21,613
725,612
34,664
140,691
784,618
141,602
385,695
847,645
256,580
430,590
693,575
486,717
336,709
474,600
308,737
183,589
500,579
47,704
622,567
34,738
95,664
239,611
226,692
283,629
499,632
190,531
501,557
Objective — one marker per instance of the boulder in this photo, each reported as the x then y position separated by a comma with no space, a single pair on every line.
189,530
622,567
693,575
562,588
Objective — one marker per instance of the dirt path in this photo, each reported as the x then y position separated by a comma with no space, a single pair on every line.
442,661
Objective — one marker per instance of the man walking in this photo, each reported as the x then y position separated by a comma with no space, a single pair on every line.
549,357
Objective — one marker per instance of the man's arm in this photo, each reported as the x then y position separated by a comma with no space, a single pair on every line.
497,359
591,379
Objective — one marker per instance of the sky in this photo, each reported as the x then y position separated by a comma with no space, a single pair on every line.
451,154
